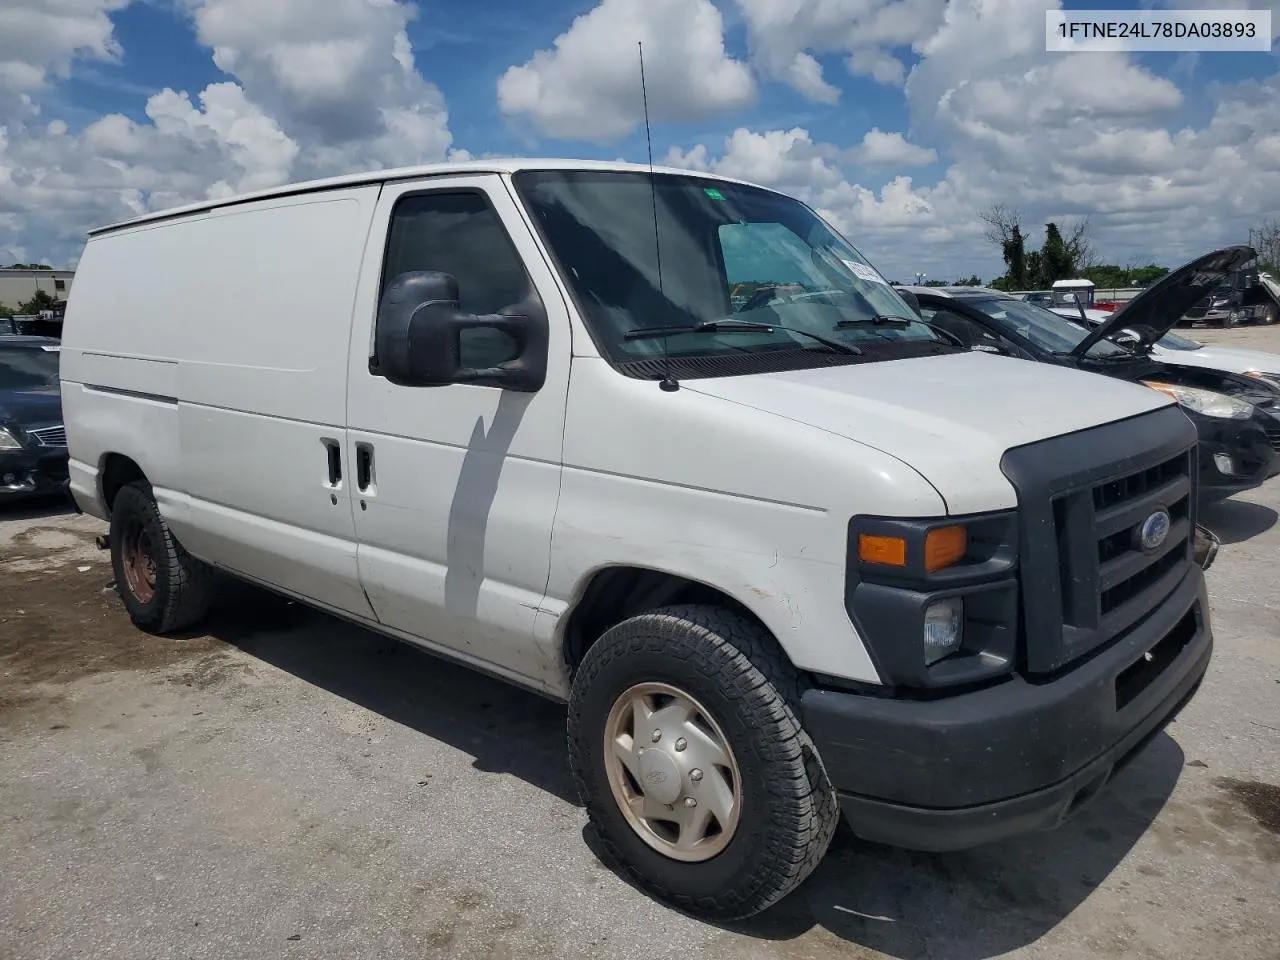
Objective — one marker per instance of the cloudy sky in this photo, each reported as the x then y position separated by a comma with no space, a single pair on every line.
899,119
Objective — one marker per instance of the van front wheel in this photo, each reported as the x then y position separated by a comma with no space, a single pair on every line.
688,754
162,586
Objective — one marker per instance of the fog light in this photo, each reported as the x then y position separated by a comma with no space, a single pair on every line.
1224,463
942,629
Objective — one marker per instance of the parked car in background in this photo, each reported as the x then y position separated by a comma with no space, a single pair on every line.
33,443
1235,417
1178,350
1246,296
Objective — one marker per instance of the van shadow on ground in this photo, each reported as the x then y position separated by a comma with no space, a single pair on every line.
964,906
1235,521
979,903
506,729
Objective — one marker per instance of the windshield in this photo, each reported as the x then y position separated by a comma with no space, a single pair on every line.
727,251
1172,341
25,368
1044,328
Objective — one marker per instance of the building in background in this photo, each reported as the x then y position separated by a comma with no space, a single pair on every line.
18,286
33,301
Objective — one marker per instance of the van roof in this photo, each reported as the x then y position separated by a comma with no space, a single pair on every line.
505,165
1071,284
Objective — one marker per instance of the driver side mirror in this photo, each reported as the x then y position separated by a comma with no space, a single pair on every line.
424,339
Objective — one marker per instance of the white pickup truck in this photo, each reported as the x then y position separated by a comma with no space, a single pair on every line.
803,557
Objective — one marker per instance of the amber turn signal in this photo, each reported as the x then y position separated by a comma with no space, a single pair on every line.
887,551
944,546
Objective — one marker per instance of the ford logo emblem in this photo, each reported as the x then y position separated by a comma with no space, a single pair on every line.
1154,530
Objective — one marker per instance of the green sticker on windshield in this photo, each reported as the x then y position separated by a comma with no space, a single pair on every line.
713,193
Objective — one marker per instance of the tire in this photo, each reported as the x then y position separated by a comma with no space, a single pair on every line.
1272,315
163,587
731,667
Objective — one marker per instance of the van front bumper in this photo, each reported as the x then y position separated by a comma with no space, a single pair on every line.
960,771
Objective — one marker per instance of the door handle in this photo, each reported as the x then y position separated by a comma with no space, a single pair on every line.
364,467
333,453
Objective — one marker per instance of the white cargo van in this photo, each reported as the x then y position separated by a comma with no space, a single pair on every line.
666,447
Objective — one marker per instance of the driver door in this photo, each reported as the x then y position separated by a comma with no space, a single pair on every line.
455,487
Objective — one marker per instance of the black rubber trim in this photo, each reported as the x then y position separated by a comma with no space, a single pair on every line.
887,604
941,831
949,758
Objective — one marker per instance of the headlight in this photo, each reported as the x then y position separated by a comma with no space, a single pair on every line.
943,629
1205,402
8,441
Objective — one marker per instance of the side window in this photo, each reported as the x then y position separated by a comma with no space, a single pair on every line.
462,235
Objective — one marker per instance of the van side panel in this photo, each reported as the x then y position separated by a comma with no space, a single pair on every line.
684,490
248,311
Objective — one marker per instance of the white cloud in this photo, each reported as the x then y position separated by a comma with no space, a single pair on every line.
1063,136
42,37
891,150
784,35
588,87
339,76
58,185
776,158
317,89
894,223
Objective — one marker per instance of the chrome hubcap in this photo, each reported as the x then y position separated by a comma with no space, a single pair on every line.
672,772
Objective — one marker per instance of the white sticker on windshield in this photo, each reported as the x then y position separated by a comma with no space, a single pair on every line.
862,271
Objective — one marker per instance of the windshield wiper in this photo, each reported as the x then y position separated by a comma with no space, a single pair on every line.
738,326
880,320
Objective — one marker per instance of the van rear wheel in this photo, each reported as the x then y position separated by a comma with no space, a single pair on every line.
162,586
687,751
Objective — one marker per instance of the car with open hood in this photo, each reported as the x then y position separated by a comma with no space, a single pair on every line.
1179,350
33,444
1235,416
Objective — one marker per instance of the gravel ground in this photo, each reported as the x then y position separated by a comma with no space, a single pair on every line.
283,785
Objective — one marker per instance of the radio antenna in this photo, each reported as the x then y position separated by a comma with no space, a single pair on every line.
668,382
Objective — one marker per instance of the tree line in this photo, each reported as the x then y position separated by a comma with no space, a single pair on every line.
1066,254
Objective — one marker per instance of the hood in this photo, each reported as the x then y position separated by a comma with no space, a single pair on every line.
1163,303
31,406
1231,359
950,417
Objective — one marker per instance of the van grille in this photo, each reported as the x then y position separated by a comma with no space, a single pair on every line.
1125,571
1086,579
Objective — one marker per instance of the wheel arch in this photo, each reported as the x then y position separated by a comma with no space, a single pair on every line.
614,593
115,470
